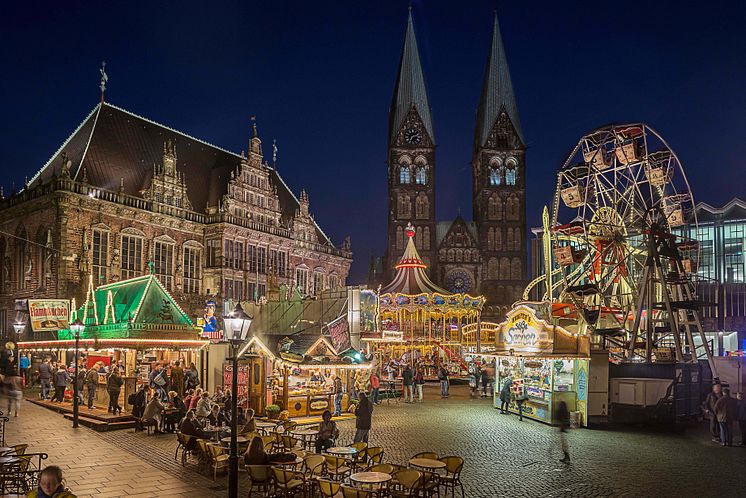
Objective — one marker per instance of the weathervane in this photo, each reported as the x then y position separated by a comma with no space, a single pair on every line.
104,79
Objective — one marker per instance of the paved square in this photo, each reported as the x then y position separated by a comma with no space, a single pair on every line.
504,457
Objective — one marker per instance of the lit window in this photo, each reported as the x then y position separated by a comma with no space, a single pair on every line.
131,256
421,177
404,176
494,177
164,263
510,176
192,270
100,256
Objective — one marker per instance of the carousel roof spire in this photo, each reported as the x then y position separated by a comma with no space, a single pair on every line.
410,275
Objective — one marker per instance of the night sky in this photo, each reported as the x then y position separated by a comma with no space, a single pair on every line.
319,76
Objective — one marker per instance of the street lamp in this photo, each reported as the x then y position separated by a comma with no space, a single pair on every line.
76,327
18,326
236,330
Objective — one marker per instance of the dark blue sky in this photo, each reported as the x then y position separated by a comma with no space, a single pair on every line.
319,76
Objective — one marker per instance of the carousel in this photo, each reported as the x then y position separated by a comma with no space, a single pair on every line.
420,322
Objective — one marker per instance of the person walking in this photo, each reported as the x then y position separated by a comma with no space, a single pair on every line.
177,378
91,381
24,363
407,379
363,419
45,378
14,385
741,416
375,388
563,417
709,408
726,412
61,379
443,378
337,390
505,396
114,388
419,381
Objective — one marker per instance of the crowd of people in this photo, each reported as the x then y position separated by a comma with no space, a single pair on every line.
725,412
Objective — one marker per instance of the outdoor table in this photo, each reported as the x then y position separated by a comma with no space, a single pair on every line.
306,436
239,440
343,451
291,463
217,430
371,480
427,463
263,426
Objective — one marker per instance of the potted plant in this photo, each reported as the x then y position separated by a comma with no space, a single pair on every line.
272,411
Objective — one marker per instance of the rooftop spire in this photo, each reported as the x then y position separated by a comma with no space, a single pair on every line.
104,79
410,86
497,91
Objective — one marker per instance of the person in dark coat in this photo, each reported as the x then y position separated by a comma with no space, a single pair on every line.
563,417
485,381
726,412
91,381
407,379
177,378
505,396
138,407
190,427
191,377
45,378
709,408
363,419
114,388
61,379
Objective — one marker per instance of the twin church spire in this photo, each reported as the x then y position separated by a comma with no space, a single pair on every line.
410,91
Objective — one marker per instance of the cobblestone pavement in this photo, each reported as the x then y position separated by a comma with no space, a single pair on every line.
504,457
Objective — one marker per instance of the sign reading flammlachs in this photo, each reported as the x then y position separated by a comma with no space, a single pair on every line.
49,315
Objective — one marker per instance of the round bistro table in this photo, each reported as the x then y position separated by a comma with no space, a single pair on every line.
343,451
374,481
427,463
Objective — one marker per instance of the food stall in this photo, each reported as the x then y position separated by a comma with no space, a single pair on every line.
544,363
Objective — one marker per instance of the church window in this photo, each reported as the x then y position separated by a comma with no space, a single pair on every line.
426,238
495,207
511,211
422,207
494,177
498,239
510,176
421,178
404,206
517,239
163,256
418,238
192,270
459,255
404,175
492,269
509,240
451,255
515,269
100,253
399,239
132,256
504,269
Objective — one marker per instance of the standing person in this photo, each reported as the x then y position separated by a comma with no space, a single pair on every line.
407,379
363,419
191,377
114,387
24,364
742,417
563,417
337,396
177,378
61,379
726,411
505,396
91,381
483,375
709,408
443,378
80,381
419,381
15,393
375,387
45,378
328,432
138,406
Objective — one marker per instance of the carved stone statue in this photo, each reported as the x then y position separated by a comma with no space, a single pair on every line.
66,165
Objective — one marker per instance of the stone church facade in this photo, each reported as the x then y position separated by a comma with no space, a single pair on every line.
487,255
123,193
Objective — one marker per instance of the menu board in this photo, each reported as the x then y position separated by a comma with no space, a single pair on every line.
339,333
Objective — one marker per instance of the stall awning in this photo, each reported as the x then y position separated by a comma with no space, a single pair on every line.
143,344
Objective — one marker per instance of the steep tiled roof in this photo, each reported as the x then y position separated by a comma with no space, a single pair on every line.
497,92
410,87
113,145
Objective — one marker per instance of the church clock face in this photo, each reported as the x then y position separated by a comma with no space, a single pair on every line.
459,281
412,136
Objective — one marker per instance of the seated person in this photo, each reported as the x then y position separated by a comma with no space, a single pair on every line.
204,407
217,417
249,425
153,411
255,454
328,432
218,396
240,417
190,426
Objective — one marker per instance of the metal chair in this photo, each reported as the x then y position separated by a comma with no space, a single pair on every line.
361,457
407,483
426,454
350,492
183,443
452,477
218,459
329,489
260,477
336,468
375,455
386,468
289,481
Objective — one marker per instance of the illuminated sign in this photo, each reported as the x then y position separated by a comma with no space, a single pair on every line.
524,332
49,315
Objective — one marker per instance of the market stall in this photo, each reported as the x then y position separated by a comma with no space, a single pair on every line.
544,364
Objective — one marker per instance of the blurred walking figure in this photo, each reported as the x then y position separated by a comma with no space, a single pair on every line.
14,384
563,417
505,396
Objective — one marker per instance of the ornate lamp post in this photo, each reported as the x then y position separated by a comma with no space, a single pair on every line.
76,327
236,330
19,325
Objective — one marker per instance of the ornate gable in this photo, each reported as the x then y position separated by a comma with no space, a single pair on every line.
304,227
503,134
412,132
458,235
167,186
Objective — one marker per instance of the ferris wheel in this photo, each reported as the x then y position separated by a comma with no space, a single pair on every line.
620,264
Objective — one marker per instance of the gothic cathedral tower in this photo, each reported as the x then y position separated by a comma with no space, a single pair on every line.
411,161
499,184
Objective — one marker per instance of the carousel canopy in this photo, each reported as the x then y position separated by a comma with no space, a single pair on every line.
410,273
